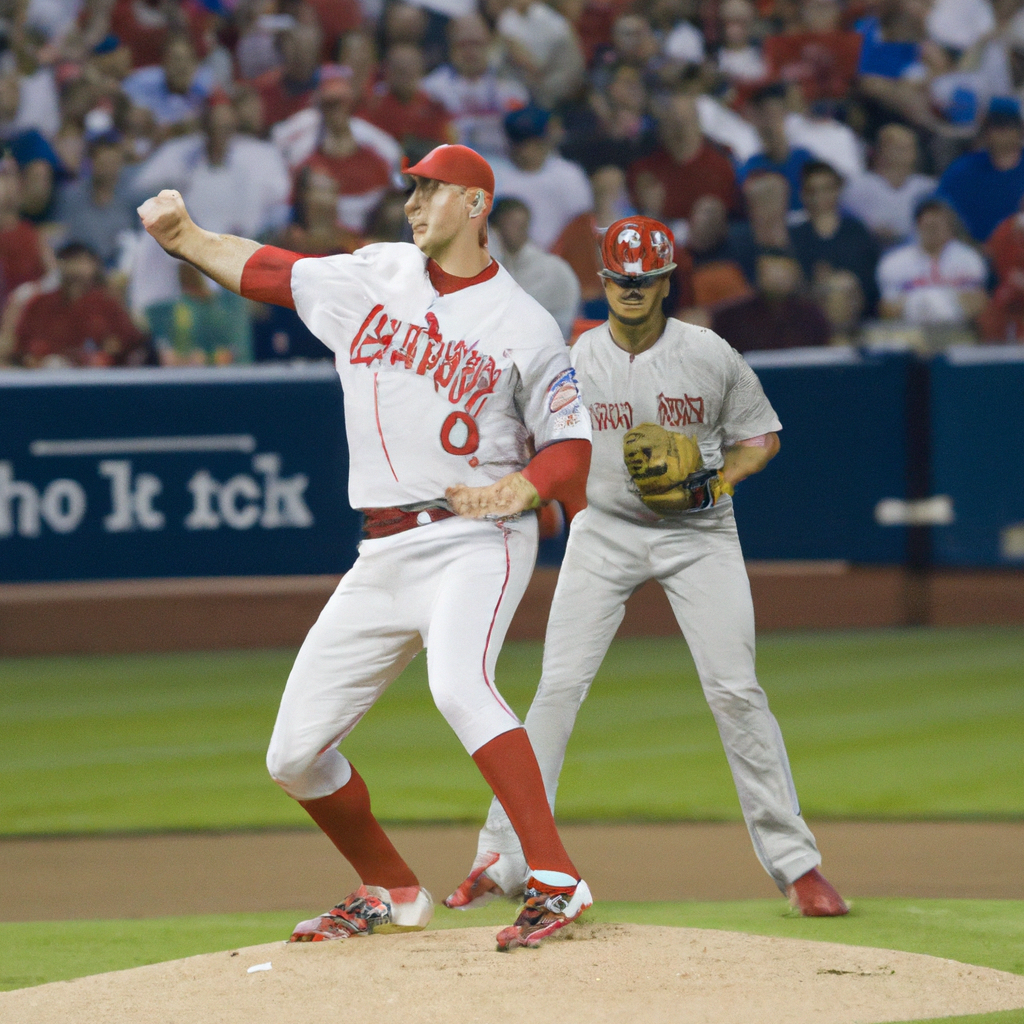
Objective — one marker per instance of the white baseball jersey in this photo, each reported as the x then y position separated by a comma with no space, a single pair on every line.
691,381
440,389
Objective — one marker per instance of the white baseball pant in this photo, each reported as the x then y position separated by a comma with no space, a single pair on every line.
700,566
450,586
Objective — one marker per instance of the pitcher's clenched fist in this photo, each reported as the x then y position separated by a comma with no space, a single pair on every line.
166,219
220,257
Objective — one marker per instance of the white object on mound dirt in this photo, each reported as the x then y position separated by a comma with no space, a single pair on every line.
600,972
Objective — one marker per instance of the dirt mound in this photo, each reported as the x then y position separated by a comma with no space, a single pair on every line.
598,973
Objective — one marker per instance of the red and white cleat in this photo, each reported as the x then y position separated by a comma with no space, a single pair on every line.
814,896
493,876
369,909
547,909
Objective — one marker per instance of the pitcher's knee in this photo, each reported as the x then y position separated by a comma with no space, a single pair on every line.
308,775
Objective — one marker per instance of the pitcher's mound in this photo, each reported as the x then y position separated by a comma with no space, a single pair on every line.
598,973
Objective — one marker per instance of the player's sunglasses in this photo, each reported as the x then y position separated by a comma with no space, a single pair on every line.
627,281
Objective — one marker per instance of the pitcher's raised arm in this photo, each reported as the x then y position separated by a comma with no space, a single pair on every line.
221,257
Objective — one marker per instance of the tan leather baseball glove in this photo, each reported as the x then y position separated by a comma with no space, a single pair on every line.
668,470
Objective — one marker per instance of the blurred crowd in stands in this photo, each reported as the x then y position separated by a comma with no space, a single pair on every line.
836,172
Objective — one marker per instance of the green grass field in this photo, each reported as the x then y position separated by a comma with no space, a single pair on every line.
879,724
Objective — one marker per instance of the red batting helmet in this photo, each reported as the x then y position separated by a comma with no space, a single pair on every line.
637,249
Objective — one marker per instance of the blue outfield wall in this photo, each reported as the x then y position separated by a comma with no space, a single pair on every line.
977,436
153,473
844,449
108,474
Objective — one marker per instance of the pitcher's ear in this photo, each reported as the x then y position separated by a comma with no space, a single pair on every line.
478,204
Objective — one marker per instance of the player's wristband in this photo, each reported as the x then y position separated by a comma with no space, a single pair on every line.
559,473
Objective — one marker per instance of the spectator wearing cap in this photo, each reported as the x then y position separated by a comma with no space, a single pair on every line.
476,98
985,186
292,86
777,315
399,106
542,50
80,323
545,277
175,90
97,209
829,239
684,167
768,109
556,192
935,279
360,172
884,198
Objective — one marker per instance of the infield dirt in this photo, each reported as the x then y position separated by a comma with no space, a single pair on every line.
206,873
603,973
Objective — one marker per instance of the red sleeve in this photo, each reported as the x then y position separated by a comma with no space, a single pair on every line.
559,472
267,276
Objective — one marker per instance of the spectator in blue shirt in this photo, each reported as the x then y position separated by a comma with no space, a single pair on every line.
174,91
768,113
986,186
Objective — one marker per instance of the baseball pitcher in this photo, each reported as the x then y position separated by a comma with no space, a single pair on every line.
453,379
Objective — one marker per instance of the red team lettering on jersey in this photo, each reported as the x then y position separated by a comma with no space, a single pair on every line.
611,415
680,412
469,377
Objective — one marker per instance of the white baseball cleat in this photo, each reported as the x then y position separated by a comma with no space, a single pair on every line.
494,876
369,909
548,908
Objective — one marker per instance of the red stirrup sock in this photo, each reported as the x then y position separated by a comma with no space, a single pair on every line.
509,765
346,817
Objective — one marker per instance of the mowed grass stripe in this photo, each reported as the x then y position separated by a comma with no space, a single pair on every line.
915,723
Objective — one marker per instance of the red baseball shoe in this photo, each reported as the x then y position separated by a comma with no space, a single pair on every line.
547,909
814,896
369,909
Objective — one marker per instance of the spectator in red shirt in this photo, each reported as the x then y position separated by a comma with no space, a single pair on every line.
24,256
362,174
144,26
1003,318
821,59
80,323
292,87
400,107
684,167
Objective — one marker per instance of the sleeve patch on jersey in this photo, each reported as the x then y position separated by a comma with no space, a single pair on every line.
564,391
267,276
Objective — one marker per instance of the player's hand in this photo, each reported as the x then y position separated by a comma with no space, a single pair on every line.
166,219
505,497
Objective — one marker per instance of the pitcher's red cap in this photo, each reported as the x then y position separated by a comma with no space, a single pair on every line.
456,165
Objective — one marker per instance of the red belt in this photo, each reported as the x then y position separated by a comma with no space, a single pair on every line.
383,522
